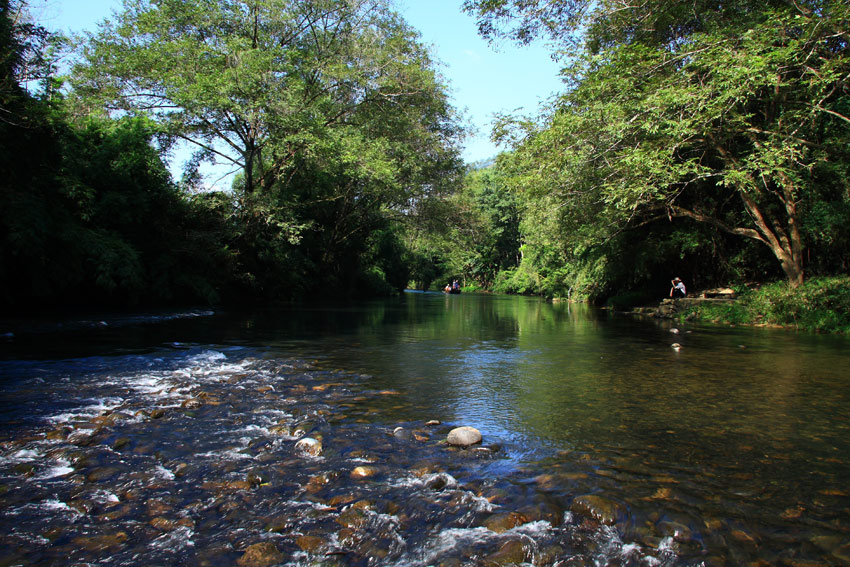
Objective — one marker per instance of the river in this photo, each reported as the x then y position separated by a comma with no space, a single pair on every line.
180,438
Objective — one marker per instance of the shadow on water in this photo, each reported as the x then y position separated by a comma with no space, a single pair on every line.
173,438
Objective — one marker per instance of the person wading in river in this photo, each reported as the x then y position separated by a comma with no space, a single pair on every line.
678,289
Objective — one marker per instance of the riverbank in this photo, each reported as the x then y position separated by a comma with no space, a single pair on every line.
819,305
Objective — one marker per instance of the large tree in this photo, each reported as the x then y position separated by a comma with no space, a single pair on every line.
735,114
263,84
331,112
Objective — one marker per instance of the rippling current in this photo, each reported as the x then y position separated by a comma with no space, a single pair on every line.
182,439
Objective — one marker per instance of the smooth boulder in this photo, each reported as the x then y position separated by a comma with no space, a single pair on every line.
464,436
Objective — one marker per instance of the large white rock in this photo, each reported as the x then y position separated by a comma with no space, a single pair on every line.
464,436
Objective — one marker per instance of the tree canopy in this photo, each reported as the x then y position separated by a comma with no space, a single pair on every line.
266,85
734,115
331,114
708,136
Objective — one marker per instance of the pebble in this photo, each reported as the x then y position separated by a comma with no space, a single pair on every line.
601,509
264,554
363,471
402,434
503,522
309,446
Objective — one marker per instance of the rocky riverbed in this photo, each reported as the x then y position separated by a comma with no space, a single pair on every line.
224,460
201,456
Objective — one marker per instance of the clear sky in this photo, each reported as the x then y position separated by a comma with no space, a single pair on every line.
482,80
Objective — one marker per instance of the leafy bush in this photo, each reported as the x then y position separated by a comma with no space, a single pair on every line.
820,304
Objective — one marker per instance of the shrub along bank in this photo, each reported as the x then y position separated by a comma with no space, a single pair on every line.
820,304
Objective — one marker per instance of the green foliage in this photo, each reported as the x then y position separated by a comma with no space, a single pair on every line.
820,304
331,110
682,129
469,235
101,223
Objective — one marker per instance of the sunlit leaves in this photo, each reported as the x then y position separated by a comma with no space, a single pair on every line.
730,125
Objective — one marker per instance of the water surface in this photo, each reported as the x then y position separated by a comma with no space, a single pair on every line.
171,438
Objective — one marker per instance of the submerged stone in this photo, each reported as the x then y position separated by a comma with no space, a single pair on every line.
464,436
281,429
676,530
100,543
263,554
501,523
601,509
353,518
309,446
192,403
513,552
108,418
163,523
363,471
308,543
102,474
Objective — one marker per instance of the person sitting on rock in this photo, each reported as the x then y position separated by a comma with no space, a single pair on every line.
678,289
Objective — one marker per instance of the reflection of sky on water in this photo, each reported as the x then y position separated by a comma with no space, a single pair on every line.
541,377
739,423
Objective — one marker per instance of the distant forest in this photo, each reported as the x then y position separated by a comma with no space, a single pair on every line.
706,140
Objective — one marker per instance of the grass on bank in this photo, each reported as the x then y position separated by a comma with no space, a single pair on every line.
820,304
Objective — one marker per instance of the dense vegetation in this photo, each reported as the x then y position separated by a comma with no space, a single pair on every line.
330,112
704,140
819,304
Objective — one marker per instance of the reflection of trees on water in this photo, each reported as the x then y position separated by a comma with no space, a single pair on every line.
569,376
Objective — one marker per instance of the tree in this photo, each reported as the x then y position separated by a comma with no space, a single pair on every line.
330,110
260,84
734,117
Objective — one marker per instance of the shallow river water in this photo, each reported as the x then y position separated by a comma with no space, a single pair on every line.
183,438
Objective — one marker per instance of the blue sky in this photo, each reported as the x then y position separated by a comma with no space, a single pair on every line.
482,80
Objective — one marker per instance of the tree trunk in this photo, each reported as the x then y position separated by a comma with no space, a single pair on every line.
792,265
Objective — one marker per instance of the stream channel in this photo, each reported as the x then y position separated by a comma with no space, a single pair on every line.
175,438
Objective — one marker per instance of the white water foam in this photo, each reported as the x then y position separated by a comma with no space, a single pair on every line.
23,456
225,455
94,409
53,507
163,473
444,542
175,540
411,481
478,503
56,471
